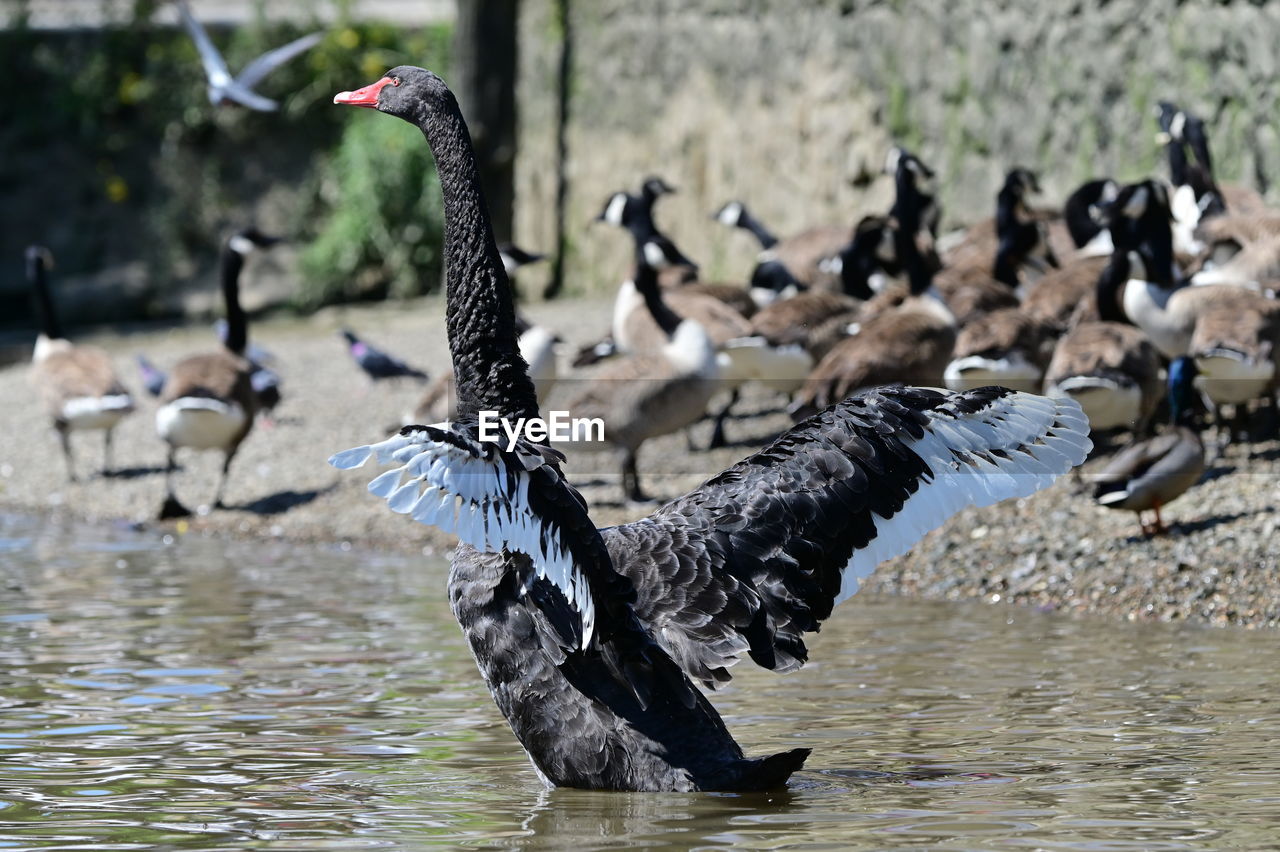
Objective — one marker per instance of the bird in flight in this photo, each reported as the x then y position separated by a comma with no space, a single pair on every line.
223,88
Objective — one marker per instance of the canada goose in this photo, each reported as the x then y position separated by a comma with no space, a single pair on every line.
910,343
1138,285
635,214
798,261
818,319
983,273
208,401
223,88
1023,239
78,384
655,391
590,640
1085,219
1236,348
1195,194
1252,264
1149,474
744,356
915,214
375,363
1016,237
1112,370
1005,348
1197,197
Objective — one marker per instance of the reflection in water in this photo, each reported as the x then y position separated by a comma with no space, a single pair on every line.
206,694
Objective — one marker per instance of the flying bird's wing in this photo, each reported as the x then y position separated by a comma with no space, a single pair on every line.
267,62
756,557
215,67
249,98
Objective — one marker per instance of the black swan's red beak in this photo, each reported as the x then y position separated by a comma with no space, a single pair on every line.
366,97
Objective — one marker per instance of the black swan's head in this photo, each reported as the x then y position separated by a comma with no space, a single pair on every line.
405,91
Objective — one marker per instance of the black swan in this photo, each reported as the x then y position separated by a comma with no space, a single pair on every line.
590,640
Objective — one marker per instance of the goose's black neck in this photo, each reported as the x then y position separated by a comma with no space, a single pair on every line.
1006,266
480,315
1108,289
647,283
38,275
759,231
237,339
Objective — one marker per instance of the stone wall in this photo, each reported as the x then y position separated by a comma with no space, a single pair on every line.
790,106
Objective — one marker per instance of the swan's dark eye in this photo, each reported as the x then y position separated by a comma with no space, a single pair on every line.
395,81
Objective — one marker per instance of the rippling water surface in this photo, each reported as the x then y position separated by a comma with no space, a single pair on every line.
214,694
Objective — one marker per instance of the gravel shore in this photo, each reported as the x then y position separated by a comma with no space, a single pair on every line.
1057,550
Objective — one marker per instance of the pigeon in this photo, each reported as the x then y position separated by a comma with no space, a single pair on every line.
378,364
152,376
223,88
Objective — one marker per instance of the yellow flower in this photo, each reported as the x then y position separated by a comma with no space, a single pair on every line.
117,189
130,84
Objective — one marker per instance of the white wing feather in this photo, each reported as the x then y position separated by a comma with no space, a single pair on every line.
478,498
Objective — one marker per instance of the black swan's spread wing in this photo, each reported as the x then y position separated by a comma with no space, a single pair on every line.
495,500
517,501
761,553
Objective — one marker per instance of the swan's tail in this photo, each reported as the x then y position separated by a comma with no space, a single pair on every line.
765,773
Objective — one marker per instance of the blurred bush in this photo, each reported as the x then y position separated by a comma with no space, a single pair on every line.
383,233
111,153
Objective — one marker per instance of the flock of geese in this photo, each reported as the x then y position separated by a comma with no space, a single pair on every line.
1095,302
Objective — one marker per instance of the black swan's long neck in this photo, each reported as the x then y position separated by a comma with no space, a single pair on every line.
480,314
48,317
237,339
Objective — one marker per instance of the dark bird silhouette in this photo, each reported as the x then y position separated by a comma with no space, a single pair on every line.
376,363
152,376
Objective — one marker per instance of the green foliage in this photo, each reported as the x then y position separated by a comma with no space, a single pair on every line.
383,233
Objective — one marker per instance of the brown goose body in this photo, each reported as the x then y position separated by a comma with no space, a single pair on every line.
735,296
78,385
803,254
911,344
1236,346
970,291
208,401
805,319
1058,295
1112,370
1004,348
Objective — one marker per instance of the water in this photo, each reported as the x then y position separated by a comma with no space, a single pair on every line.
212,694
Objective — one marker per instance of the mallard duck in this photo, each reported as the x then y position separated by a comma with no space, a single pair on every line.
1148,474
